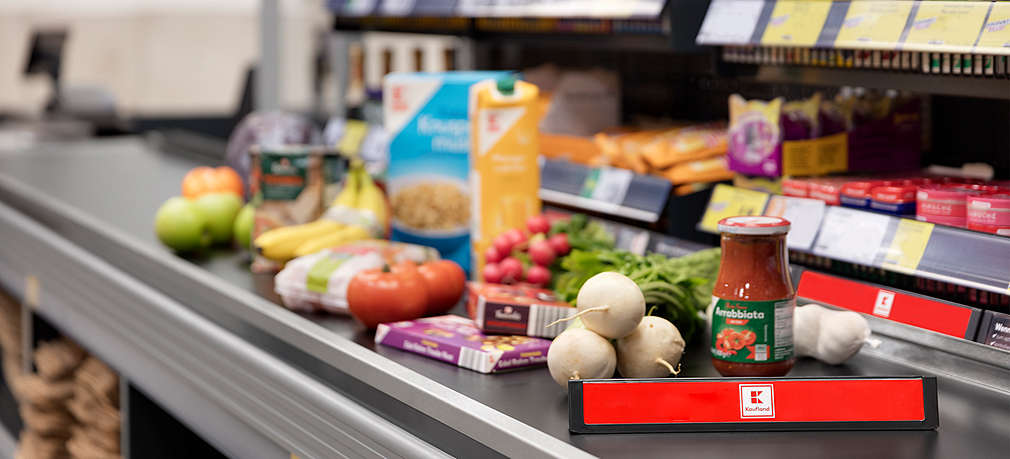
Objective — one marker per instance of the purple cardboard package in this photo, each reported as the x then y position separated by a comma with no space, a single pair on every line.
457,340
755,136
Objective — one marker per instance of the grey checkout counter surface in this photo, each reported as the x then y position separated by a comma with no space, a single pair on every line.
101,196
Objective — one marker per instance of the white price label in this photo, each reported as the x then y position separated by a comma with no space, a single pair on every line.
851,235
612,185
804,214
729,22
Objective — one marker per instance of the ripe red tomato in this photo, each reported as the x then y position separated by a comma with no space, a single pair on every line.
445,281
375,296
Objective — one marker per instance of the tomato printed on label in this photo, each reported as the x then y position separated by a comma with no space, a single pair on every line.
748,337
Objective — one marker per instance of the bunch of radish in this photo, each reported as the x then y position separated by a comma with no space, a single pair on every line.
612,307
504,259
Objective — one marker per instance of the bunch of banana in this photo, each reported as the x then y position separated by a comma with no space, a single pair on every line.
360,194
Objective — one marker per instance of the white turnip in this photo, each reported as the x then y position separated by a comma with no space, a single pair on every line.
578,353
652,350
610,304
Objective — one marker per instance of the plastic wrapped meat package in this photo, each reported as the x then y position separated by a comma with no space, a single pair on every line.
318,282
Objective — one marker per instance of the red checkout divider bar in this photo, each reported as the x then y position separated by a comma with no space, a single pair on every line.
752,404
939,316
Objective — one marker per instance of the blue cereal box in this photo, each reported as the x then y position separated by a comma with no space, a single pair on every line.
429,147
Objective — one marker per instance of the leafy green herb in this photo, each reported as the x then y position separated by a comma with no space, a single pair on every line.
680,288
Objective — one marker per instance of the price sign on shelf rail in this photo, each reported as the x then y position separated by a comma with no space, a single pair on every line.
728,201
804,215
996,31
951,26
729,22
796,23
851,235
907,246
873,24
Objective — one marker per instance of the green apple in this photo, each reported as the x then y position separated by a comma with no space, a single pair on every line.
243,226
220,210
181,226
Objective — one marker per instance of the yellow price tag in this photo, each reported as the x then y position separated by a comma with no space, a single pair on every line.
947,26
354,133
874,24
796,23
728,201
908,245
996,31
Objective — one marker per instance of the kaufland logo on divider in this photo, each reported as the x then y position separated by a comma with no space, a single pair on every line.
757,401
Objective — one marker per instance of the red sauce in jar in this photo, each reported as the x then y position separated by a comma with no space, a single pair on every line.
754,299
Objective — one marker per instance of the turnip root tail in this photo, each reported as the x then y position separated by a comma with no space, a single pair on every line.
575,375
653,308
666,364
566,319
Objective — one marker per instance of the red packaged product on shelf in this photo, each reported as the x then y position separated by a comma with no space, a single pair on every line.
948,202
895,200
989,213
798,188
827,190
856,194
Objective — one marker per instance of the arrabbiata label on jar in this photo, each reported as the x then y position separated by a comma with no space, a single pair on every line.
752,331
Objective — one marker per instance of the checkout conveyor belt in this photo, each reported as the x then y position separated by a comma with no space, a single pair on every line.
313,384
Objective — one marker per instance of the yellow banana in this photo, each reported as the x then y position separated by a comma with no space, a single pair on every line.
371,198
280,244
347,234
349,195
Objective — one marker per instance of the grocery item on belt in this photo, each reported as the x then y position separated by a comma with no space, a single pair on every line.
318,282
429,159
504,175
458,341
516,309
753,300
989,213
291,185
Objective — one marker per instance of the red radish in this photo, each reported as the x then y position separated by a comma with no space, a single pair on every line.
492,255
493,273
512,270
559,242
538,275
538,224
541,253
515,237
502,244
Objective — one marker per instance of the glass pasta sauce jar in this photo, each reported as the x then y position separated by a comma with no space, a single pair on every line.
753,299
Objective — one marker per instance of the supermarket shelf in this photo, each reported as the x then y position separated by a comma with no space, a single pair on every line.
968,258
605,190
950,85
521,414
930,26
